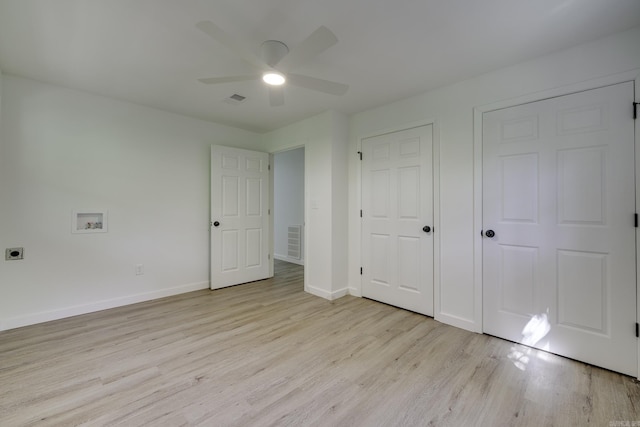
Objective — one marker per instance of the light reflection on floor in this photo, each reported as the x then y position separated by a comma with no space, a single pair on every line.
535,330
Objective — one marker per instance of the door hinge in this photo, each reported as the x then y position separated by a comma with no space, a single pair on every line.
635,110
268,256
361,271
360,213
637,330
635,220
360,154
269,167
268,211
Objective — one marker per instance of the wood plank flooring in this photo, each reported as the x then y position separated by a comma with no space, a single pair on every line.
268,354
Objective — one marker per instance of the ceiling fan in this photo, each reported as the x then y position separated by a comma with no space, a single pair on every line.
274,62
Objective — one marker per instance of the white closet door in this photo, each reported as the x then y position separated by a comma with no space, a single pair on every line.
559,256
397,203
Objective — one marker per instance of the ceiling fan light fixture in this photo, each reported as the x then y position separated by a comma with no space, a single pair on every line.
273,79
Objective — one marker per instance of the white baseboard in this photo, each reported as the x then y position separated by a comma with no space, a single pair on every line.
287,259
46,316
339,293
326,294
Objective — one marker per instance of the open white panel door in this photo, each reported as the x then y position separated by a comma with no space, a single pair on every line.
239,216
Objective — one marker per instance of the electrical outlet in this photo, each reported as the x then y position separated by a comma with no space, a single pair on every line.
11,254
139,269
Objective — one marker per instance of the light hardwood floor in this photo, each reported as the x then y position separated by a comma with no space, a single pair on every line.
266,353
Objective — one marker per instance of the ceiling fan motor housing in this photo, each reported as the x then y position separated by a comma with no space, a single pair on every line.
272,52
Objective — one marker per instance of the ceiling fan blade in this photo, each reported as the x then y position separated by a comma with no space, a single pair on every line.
228,79
320,85
319,41
216,33
276,96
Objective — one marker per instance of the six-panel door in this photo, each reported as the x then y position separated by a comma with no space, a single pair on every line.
559,194
239,216
397,219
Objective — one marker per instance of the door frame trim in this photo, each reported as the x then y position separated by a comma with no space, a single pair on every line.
357,291
633,76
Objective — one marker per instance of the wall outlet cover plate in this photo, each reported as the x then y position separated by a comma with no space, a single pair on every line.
13,253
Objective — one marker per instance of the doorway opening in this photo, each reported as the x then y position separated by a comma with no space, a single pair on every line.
289,212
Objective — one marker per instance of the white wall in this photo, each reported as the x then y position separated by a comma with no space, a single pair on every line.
339,197
62,150
324,138
459,291
288,208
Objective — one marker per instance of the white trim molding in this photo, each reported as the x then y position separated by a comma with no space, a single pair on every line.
46,316
325,294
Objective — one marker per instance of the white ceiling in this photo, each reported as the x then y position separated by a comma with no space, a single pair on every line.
149,51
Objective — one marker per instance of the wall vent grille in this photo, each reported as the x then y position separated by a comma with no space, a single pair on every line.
235,99
294,247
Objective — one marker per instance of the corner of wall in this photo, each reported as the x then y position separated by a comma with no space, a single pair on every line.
340,202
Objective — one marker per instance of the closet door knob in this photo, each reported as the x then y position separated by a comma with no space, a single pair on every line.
426,229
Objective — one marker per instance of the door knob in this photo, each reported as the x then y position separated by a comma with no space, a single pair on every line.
426,229
489,233
216,223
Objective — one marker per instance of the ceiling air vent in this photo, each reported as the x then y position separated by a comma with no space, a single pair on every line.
235,99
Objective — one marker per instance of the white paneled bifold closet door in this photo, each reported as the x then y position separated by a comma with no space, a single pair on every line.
559,245
239,216
397,219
